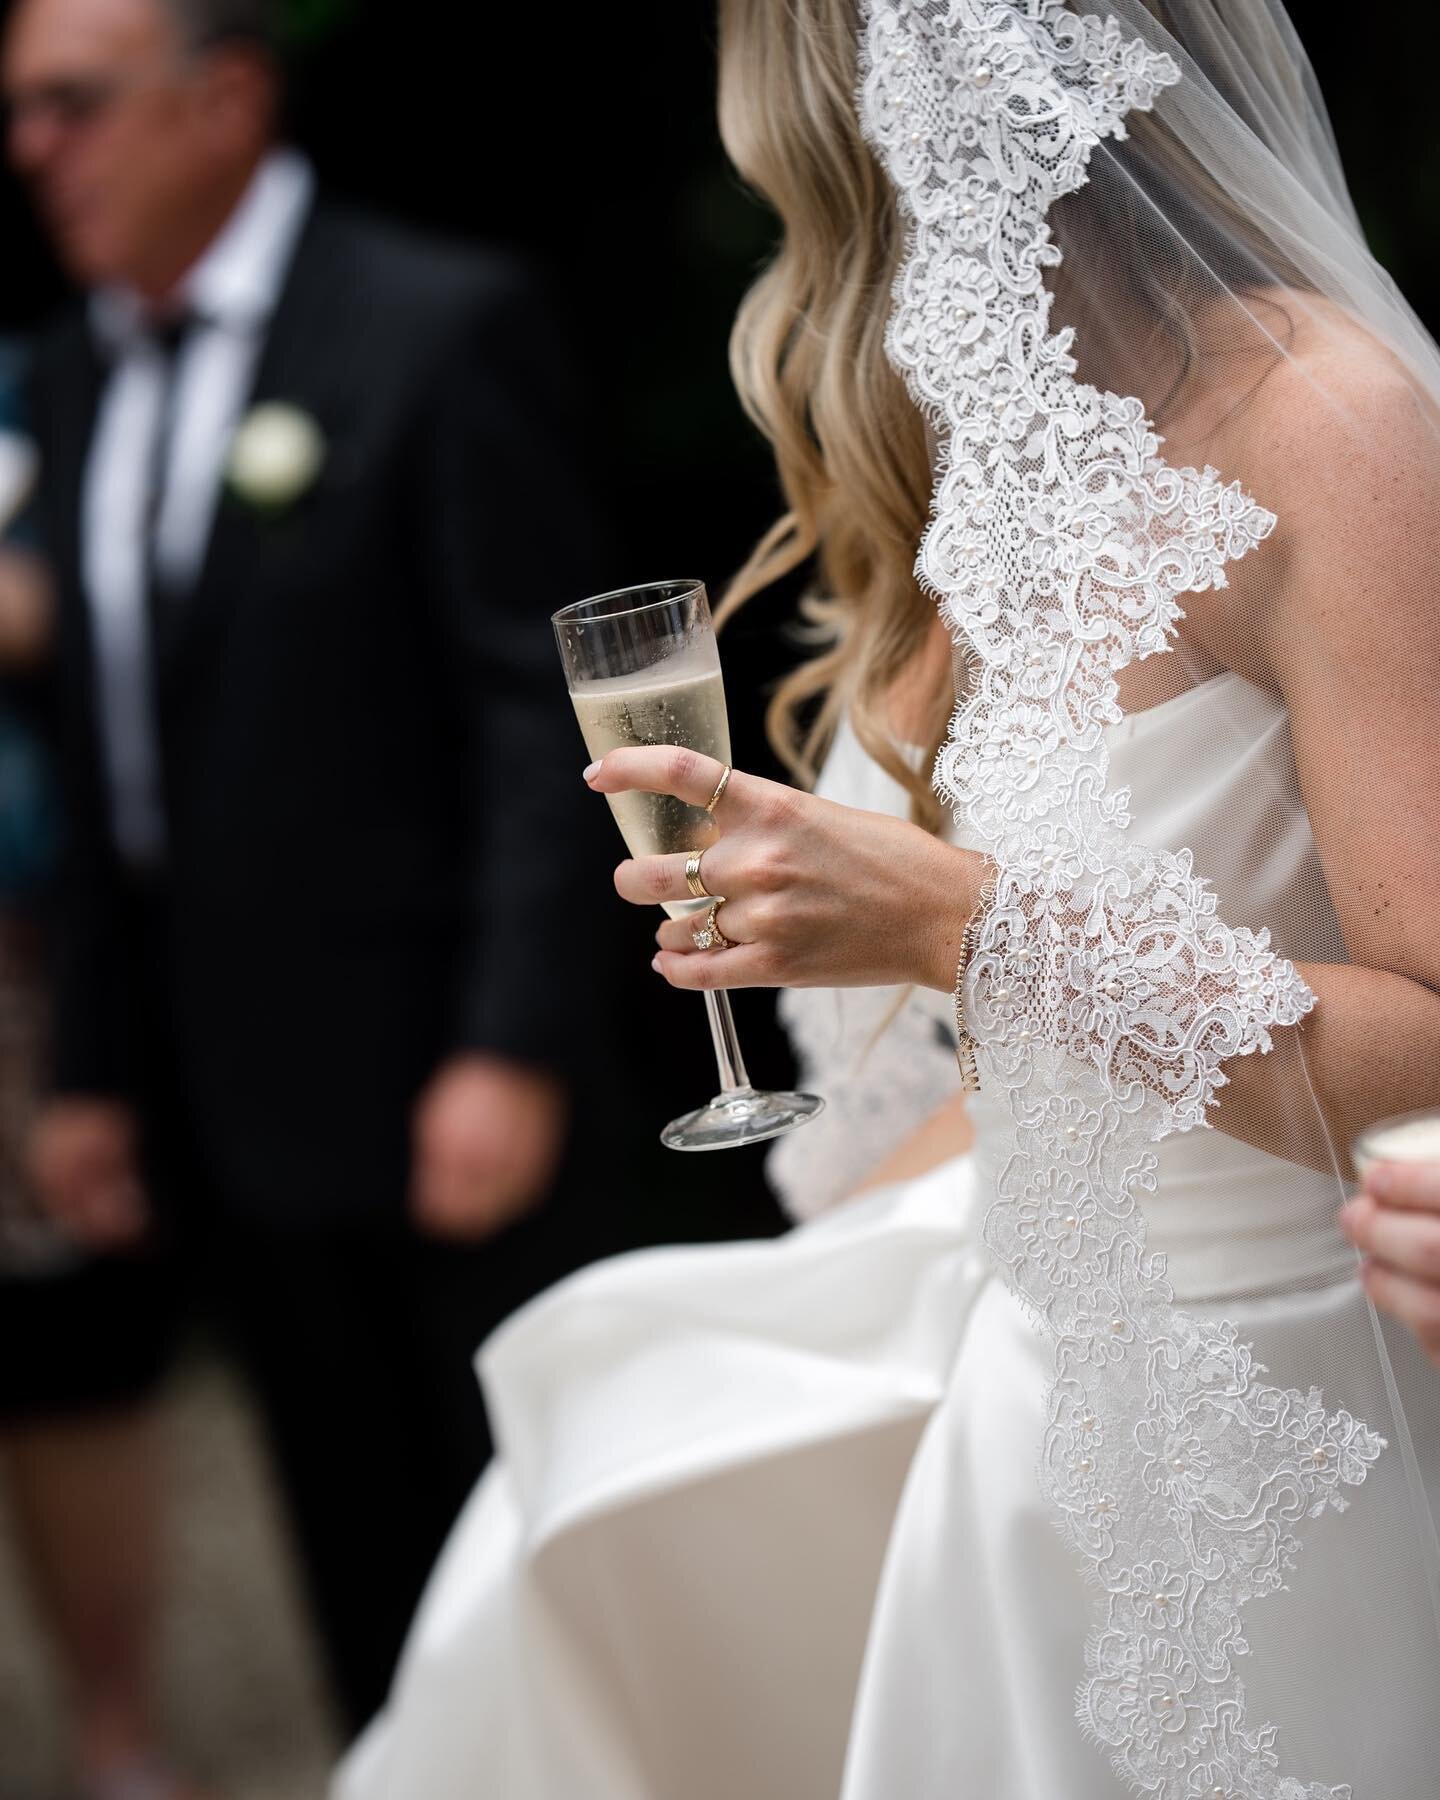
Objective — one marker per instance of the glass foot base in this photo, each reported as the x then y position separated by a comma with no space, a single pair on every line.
743,1116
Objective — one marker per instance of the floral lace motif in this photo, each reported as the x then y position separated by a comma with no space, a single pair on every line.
1105,992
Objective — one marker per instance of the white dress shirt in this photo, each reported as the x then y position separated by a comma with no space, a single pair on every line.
231,292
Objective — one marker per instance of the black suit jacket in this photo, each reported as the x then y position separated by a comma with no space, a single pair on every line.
372,778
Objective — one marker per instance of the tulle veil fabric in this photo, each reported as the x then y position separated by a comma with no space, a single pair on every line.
1095,199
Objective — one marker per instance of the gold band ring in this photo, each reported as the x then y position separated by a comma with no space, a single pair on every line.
719,793
709,936
694,880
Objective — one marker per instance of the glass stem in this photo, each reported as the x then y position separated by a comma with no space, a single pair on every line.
727,1044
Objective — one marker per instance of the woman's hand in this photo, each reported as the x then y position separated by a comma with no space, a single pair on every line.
816,895
1395,1223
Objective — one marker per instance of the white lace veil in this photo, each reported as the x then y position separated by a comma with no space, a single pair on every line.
1135,301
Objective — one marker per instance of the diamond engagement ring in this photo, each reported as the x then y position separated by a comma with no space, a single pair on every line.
694,880
709,936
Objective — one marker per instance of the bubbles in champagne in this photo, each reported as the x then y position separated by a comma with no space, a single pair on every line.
681,701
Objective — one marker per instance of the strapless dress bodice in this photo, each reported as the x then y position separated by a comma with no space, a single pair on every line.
1211,771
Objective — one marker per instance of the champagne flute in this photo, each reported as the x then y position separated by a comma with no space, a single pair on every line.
643,667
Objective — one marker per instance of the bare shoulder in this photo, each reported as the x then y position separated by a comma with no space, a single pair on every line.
1336,416
1342,444
1322,425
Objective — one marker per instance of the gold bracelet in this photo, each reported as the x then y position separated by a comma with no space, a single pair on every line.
966,1048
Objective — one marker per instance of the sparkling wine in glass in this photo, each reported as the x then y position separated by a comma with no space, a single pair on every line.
643,667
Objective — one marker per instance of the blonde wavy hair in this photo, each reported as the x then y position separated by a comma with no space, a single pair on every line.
808,359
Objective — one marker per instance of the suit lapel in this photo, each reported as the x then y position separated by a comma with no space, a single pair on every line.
295,367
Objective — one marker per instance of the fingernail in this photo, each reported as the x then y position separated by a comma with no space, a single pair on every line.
1349,1216
655,962
1379,1181
592,771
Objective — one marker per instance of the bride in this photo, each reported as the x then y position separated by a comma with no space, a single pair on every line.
1078,1464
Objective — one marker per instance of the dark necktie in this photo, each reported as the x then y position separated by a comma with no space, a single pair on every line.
167,337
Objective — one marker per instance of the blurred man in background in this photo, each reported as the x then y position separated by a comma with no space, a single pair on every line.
306,492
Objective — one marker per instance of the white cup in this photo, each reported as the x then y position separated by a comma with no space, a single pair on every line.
1412,1137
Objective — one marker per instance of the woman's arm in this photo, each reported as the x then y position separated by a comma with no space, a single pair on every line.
1350,636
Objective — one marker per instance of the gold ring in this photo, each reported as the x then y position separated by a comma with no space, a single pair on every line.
709,936
719,793
694,880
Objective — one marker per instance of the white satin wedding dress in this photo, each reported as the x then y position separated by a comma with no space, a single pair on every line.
766,1523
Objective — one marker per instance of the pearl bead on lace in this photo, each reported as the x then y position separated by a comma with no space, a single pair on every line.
1113,989
982,76
1117,1325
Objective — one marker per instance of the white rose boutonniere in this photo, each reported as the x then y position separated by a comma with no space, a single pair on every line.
275,455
